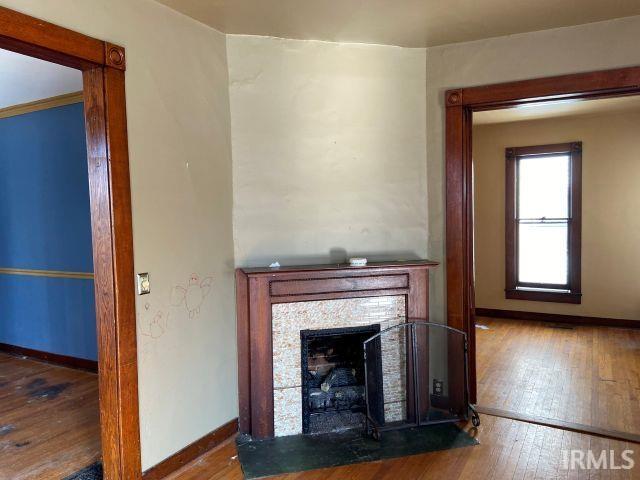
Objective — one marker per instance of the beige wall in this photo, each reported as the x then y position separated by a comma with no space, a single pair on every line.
179,143
610,202
329,150
583,48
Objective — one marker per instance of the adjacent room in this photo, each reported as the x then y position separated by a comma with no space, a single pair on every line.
50,426
349,239
556,262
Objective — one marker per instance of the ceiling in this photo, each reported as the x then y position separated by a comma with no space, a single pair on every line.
558,109
25,79
409,23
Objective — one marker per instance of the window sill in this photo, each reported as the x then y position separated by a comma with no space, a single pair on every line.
543,296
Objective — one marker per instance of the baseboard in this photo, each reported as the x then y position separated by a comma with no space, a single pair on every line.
561,424
192,451
53,358
557,318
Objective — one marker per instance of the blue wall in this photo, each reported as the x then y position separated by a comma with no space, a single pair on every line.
46,225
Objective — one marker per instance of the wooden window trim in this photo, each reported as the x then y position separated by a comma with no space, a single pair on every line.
571,292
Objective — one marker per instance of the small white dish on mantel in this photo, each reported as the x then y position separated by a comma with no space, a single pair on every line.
357,262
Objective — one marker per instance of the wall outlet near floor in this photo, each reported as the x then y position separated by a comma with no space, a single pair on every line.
438,387
144,286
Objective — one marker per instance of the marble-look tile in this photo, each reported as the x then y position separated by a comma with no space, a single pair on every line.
288,319
287,411
395,411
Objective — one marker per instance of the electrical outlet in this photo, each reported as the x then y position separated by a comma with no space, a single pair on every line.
438,387
144,286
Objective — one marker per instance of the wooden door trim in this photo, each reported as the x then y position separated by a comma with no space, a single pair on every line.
103,66
460,103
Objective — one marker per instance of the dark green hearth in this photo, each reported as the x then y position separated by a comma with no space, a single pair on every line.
297,453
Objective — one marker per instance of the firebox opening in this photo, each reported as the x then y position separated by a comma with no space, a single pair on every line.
333,378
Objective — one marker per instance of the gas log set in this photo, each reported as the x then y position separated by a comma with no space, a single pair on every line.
333,386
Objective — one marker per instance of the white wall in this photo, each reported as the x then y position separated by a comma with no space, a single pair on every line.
179,144
560,51
26,79
328,150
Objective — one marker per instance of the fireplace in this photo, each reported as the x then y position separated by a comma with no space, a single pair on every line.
333,378
275,305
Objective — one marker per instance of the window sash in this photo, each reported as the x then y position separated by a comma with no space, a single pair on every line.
519,183
543,285
572,222
541,221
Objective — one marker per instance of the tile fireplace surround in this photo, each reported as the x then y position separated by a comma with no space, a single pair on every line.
289,318
274,305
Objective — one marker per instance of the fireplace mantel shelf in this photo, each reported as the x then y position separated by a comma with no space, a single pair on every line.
257,289
339,266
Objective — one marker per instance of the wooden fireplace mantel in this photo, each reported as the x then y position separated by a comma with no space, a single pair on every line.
258,288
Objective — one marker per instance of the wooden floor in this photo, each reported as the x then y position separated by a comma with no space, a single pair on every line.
588,375
49,424
585,375
49,420
508,449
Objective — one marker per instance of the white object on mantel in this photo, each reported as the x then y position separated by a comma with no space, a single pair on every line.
357,262
275,265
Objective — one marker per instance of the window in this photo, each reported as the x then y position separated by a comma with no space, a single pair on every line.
543,204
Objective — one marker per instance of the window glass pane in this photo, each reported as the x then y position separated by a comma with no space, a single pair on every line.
543,253
543,187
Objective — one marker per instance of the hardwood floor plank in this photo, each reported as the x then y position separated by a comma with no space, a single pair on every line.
580,374
49,420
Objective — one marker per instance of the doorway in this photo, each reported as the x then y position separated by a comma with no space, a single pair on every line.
103,93
48,347
530,284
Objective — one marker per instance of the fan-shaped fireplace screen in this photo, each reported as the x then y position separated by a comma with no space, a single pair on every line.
415,374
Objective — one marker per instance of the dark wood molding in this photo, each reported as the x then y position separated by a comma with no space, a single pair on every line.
192,451
510,227
314,270
575,227
257,289
543,296
121,238
460,104
459,228
561,424
114,56
577,86
289,289
244,351
557,318
454,97
558,148
53,358
103,66
36,38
